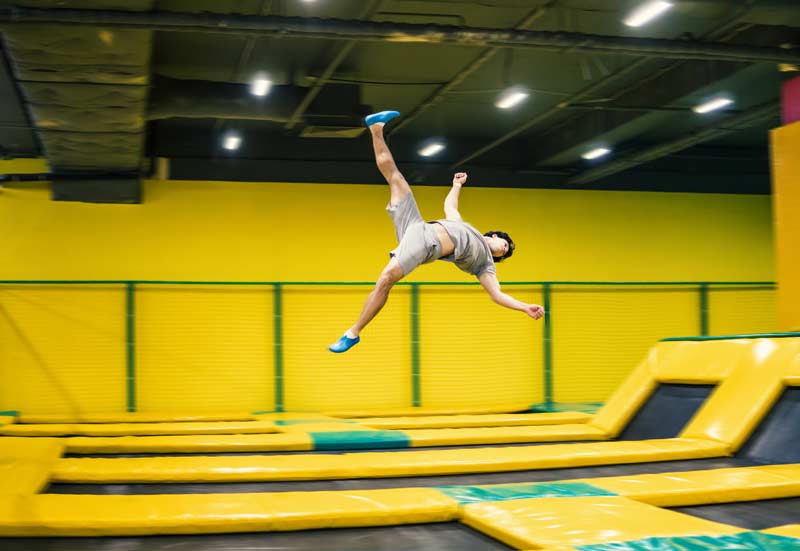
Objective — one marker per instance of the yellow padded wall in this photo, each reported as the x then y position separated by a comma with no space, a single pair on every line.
203,348
375,374
614,330
740,310
62,348
476,353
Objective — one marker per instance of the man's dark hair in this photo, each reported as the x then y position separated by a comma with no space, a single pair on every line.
502,235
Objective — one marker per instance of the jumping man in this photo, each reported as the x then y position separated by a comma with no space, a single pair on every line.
422,242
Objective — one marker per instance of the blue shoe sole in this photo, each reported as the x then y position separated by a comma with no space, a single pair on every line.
383,116
344,344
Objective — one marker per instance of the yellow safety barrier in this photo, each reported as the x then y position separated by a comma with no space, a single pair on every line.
503,435
458,421
575,521
143,429
133,417
378,464
25,464
295,441
111,515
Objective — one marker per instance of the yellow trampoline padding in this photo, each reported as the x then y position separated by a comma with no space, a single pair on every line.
628,398
295,441
699,361
790,530
326,427
377,464
683,489
459,421
129,515
140,429
426,411
576,521
134,417
26,463
503,435
792,380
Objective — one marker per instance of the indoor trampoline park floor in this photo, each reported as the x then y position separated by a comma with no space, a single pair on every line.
697,449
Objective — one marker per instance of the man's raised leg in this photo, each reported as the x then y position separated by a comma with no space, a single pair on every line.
383,158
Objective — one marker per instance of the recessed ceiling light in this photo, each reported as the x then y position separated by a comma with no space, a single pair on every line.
712,105
232,142
595,153
647,12
510,98
431,149
260,86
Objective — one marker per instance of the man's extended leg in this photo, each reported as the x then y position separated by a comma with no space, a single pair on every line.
391,274
383,158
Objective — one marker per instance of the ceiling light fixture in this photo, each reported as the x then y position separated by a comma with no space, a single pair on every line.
596,153
712,105
260,86
431,149
646,13
510,98
232,142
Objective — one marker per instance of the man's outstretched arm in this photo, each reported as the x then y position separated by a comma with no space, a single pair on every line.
492,286
451,201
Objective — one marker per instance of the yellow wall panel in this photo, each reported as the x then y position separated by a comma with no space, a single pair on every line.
376,373
62,348
601,334
474,352
202,348
738,310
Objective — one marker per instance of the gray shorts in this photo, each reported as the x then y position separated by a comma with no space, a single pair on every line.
418,242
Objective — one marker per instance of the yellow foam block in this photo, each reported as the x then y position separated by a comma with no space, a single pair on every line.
571,522
112,515
705,487
134,417
699,361
143,429
295,441
503,435
26,463
792,380
294,416
325,427
457,421
425,411
790,530
377,464
744,398
628,398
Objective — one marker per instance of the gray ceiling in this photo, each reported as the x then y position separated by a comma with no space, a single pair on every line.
169,78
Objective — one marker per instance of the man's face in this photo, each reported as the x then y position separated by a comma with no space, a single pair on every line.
498,246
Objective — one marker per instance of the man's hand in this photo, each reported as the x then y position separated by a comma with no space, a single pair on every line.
535,311
459,178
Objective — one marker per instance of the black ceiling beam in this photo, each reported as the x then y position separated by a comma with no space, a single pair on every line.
437,95
720,128
338,29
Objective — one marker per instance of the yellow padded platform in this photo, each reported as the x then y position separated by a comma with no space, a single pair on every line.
571,522
144,429
293,441
458,421
377,464
790,530
683,489
134,417
425,411
116,515
503,435
25,464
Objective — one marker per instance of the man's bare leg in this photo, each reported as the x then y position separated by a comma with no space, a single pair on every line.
391,274
383,158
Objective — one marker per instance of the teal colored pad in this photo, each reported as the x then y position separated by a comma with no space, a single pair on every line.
307,421
360,440
9,413
506,492
746,541
556,407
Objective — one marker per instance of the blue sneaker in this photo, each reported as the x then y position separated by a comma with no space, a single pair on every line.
344,344
383,116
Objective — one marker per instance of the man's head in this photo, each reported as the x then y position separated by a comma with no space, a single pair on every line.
500,244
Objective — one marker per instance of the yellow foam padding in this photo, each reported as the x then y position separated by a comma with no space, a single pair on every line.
143,429
294,416
705,487
426,411
377,464
294,441
134,417
571,522
325,427
792,380
697,362
457,421
129,515
25,464
737,406
503,435
790,530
